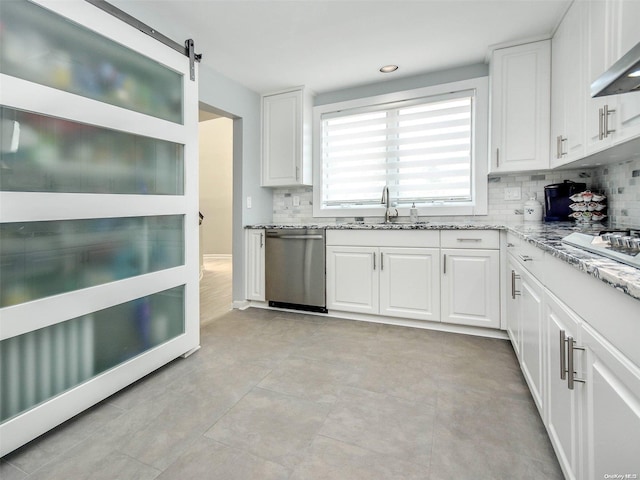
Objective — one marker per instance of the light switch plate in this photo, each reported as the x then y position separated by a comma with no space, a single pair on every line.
512,193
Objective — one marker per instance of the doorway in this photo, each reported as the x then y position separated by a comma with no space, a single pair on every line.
215,132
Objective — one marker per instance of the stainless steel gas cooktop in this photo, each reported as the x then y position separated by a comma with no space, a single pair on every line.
620,245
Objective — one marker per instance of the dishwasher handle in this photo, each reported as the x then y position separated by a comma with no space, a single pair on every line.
296,237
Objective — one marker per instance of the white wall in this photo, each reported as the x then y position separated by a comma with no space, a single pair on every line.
243,105
216,180
404,83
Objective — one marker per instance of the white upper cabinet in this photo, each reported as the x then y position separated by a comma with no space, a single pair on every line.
520,107
568,88
626,31
612,30
600,112
286,138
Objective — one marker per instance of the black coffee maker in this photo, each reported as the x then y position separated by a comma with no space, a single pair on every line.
557,201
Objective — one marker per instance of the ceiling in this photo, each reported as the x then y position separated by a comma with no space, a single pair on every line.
327,45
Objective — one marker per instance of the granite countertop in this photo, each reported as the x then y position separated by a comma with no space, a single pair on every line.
392,226
546,236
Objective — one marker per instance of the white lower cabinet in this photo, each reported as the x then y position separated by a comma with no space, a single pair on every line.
610,400
398,282
530,314
352,279
587,388
402,274
470,287
410,283
512,300
254,268
562,403
593,401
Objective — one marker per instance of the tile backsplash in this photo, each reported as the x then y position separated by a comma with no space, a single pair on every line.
620,182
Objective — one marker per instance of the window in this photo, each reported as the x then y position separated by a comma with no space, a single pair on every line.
423,145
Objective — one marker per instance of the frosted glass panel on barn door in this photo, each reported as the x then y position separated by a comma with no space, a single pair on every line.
47,154
53,51
98,211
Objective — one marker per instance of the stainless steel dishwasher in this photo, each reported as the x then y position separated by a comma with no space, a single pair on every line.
295,269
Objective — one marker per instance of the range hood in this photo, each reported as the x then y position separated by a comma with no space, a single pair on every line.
622,77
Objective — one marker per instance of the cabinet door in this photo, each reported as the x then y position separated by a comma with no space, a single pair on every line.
410,283
627,35
100,285
568,88
562,411
255,274
531,323
599,58
520,103
281,138
513,305
471,287
611,409
352,279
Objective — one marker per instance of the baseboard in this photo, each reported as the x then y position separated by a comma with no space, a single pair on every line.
403,322
241,304
212,256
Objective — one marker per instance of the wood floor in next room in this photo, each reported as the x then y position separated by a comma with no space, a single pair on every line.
278,395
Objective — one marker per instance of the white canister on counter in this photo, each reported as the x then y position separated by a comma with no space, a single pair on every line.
532,210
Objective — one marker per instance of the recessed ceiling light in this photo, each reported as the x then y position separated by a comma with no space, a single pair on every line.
633,74
388,68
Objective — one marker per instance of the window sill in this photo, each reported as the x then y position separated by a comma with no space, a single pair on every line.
423,211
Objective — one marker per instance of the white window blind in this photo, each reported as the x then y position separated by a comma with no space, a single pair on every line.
421,149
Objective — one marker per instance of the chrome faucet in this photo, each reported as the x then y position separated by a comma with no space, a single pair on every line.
386,201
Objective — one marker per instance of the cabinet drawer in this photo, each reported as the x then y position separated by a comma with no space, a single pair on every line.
384,238
528,255
470,239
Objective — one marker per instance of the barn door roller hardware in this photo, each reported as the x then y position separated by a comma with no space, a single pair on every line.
188,49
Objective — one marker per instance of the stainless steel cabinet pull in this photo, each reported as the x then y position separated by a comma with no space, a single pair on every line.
497,157
444,263
600,123
381,261
469,239
514,292
570,362
261,241
525,258
559,147
297,173
374,260
563,355
606,114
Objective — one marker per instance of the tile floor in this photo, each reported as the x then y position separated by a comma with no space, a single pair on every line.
278,395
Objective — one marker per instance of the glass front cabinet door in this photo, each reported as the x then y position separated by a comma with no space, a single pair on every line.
98,211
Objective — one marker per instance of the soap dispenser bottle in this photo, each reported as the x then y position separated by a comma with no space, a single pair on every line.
413,213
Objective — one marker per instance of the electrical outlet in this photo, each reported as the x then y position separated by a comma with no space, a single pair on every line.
512,193
296,201
248,202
